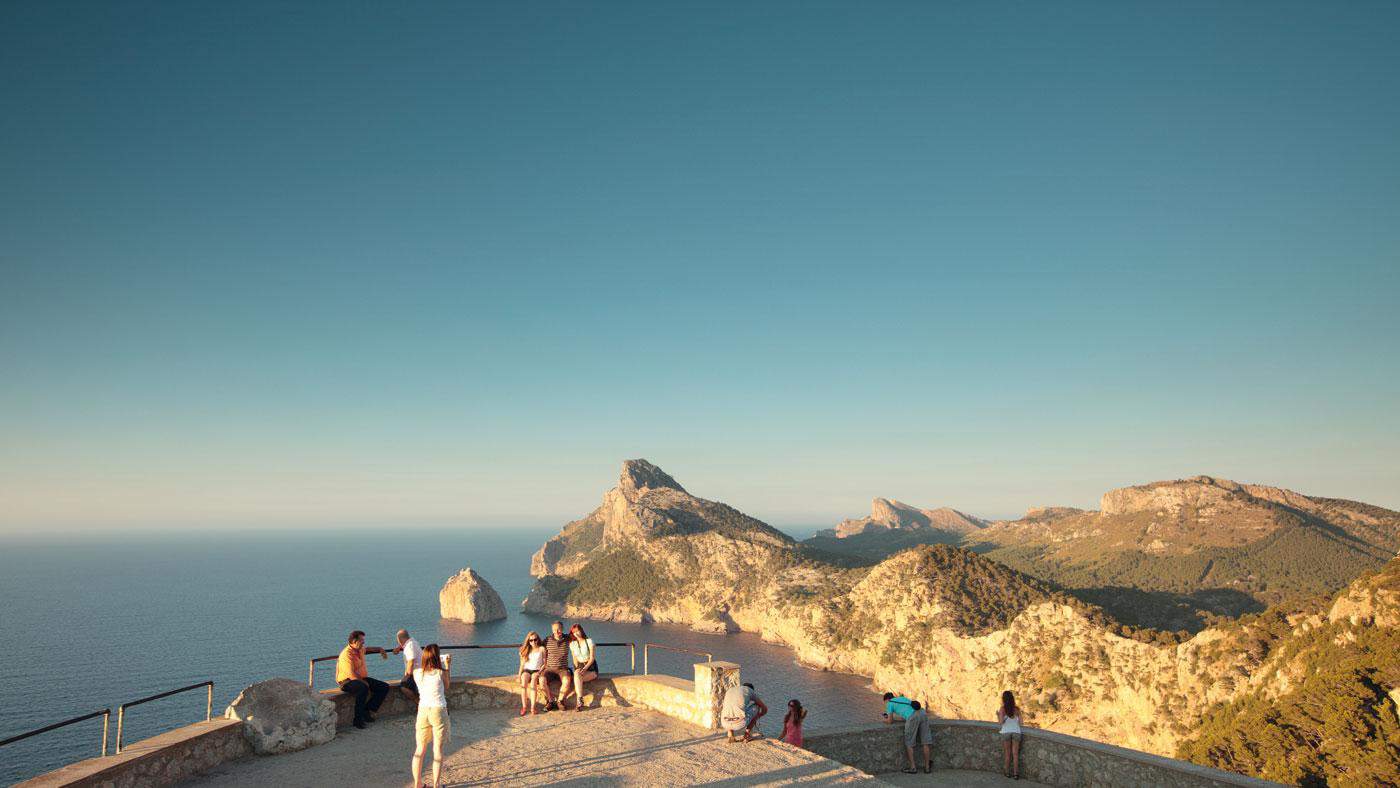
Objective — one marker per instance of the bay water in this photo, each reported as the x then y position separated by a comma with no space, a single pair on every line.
94,623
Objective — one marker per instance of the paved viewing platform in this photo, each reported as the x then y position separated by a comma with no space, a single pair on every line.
636,730
601,746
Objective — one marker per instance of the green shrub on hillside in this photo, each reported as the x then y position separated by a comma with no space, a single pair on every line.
1337,727
621,575
1299,560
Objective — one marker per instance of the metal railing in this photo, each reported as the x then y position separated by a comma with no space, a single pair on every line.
632,647
646,655
121,710
105,714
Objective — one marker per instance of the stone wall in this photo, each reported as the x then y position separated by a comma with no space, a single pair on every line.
160,760
1046,757
668,695
712,680
188,751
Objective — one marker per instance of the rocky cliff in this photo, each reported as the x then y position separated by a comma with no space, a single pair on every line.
893,526
890,515
938,622
1175,554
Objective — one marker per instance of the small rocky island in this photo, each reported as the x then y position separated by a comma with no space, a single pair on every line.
466,596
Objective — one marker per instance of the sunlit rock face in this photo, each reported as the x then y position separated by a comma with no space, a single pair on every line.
891,515
937,622
466,596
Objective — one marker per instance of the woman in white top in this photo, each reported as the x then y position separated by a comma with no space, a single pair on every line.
1009,715
531,663
433,679
585,661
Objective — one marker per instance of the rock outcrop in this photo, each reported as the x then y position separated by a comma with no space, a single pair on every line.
466,596
1371,601
647,504
894,515
282,715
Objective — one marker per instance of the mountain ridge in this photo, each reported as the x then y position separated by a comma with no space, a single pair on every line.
947,625
1175,554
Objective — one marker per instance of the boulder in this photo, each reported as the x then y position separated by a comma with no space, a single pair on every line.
466,596
283,715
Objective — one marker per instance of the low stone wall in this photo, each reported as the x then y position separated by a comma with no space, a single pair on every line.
668,695
1046,757
188,751
159,760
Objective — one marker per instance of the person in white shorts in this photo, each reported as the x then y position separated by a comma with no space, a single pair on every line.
1009,715
433,724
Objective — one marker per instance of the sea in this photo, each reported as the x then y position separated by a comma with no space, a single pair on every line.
94,623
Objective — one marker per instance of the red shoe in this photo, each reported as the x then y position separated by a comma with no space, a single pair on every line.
522,712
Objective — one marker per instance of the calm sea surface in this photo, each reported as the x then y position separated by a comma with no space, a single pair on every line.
93,625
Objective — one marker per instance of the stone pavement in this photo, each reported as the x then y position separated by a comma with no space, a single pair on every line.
601,746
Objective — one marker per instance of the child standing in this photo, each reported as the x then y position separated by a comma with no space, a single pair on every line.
792,723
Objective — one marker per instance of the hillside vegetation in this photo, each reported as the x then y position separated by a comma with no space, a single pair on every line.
953,628
1176,555
1326,712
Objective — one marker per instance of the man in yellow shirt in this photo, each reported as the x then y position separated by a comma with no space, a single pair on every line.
354,679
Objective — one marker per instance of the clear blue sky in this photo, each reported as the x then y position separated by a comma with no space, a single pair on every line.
316,264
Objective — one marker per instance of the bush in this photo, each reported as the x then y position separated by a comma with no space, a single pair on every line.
621,575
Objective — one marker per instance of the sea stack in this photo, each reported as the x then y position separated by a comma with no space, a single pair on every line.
466,596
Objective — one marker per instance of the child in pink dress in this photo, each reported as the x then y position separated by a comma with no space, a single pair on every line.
792,723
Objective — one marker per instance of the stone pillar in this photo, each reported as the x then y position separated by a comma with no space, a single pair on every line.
712,679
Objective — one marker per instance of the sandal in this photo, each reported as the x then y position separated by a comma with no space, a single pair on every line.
910,770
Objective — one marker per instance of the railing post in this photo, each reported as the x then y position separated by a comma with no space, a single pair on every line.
209,709
634,657
106,717
311,674
646,659
121,716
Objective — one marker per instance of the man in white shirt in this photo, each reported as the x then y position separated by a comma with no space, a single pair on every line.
412,660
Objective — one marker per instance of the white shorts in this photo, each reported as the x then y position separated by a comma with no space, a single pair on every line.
433,724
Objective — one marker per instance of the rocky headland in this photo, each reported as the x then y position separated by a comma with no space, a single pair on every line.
938,622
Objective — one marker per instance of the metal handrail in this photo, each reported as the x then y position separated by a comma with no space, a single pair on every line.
105,714
311,665
208,709
646,654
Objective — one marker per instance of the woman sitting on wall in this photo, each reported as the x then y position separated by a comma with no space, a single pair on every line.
531,663
585,661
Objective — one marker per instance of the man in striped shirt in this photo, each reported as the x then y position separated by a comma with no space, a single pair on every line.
556,665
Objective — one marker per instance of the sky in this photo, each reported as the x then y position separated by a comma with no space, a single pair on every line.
271,265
